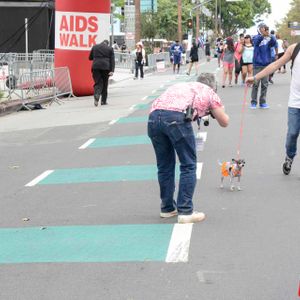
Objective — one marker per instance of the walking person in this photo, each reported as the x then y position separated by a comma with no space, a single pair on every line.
263,42
176,50
247,58
194,58
219,46
228,61
140,59
207,50
292,53
280,52
103,66
238,49
171,132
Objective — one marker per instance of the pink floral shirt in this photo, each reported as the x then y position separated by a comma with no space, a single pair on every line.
179,96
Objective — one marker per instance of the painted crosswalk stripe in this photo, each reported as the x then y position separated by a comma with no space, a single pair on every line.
125,120
199,170
178,250
103,174
87,144
118,141
104,243
39,178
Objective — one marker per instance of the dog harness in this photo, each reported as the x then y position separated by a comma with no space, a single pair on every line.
225,172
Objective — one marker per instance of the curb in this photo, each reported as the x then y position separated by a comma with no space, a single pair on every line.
10,106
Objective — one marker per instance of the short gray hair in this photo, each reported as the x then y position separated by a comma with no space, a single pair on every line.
208,79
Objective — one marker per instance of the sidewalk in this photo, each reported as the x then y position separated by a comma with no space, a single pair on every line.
10,106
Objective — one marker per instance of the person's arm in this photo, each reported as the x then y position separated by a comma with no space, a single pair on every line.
274,66
112,62
273,43
91,56
220,115
257,40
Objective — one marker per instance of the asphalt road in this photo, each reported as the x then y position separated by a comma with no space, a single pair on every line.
248,248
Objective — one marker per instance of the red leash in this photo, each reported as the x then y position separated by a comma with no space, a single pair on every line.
242,122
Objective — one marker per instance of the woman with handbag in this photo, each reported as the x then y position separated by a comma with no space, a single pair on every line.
140,59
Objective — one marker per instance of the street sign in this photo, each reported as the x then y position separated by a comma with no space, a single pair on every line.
294,25
295,32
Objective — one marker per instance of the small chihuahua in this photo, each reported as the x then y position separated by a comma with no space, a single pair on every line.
232,169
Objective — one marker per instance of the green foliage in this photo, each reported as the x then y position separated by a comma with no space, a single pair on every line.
235,15
167,15
292,16
239,15
149,25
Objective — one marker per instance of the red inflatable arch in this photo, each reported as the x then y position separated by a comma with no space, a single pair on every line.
79,24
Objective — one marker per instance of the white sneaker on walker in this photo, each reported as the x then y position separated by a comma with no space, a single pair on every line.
195,217
169,214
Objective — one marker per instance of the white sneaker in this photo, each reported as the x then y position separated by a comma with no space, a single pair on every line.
169,214
193,218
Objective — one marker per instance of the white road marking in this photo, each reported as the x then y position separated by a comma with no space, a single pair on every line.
132,107
153,91
39,178
86,144
199,170
113,121
145,98
178,250
203,134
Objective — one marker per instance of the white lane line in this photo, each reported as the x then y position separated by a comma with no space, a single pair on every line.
178,250
162,86
144,98
199,170
113,121
86,144
203,134
153,91
39,178
132,107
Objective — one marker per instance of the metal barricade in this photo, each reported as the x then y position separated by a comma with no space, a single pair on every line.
123,60
153,59
44,85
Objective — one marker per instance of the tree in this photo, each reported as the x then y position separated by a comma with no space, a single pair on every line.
167,18
292,16
137,20
238,15
149,25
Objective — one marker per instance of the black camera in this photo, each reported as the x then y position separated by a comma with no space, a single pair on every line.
189,114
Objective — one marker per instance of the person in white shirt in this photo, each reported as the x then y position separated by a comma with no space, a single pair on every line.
280,52
293,104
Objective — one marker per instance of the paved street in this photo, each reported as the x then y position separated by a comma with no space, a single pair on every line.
80,203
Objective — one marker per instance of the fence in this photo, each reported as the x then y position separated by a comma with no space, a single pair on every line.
155,59
39,86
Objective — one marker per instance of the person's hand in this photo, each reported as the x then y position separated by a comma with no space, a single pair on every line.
110,73
250,80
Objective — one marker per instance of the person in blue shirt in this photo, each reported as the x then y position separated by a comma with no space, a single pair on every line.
176,50
274,55
263,43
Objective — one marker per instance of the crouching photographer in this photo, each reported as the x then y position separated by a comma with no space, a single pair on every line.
170,130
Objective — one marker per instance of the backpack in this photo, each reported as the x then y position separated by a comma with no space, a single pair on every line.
294,55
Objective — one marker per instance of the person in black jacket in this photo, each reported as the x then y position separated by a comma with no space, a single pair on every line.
193,58
103,58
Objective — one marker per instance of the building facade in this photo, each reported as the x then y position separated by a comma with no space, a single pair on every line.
148,5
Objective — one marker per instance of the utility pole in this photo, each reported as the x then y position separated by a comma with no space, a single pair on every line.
179,5
137,20
197,20
216,17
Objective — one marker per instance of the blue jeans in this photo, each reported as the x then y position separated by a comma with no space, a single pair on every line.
170,133
293,131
